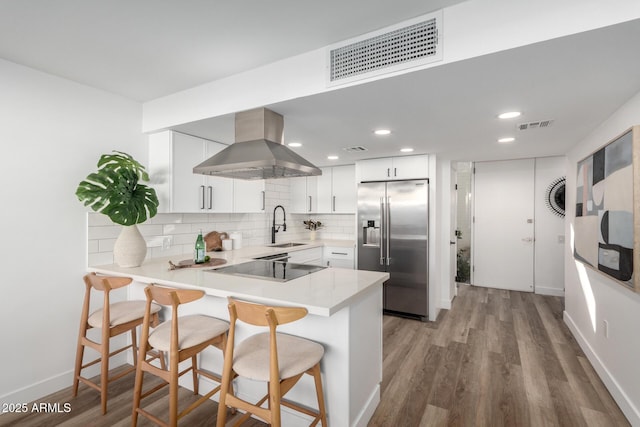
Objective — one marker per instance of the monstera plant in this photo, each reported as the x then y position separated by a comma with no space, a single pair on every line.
115,190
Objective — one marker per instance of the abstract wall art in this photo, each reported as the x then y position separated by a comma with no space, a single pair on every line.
607,222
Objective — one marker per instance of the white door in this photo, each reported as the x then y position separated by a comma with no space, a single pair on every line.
503,247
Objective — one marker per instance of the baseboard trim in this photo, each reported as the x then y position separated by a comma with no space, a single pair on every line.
626,405
36,391
362,420
549,291
445,304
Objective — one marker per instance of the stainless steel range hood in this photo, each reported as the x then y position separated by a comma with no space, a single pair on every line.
258,151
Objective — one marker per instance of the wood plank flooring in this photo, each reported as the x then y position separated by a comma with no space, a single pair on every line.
497,358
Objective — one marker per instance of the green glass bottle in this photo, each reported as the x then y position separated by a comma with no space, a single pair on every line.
199,252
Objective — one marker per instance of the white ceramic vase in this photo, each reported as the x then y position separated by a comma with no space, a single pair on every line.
130,247
312,234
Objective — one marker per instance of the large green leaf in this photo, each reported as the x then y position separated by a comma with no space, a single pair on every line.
115,190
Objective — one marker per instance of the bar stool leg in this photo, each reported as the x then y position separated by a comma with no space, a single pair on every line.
104,371
134,347
173,390
137,393
78,367
318,380
194,372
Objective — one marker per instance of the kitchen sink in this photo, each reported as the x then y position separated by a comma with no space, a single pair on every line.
287,245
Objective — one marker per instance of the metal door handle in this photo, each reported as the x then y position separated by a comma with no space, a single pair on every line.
210,188
386,228
309,203
202,194
334,204
382,230
452,243
263,200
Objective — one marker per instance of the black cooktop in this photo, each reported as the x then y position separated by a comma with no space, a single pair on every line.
279,271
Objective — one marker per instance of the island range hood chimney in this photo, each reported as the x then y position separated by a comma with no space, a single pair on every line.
258,151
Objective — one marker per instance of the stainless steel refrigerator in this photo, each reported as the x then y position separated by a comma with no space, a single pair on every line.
393,236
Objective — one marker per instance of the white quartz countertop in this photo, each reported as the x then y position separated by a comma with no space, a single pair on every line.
322,293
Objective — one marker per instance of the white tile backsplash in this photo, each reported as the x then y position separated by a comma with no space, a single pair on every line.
183,228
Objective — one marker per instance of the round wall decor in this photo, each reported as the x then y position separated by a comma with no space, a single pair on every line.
554,196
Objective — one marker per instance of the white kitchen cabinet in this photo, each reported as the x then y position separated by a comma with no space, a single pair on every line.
218,195
248,195
392,168
307,256
172,156
340,257
304,194
337,190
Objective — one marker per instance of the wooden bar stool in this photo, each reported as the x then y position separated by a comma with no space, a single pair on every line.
276,358
113,319
183,338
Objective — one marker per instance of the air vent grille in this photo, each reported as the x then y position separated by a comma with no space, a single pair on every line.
356,149
407,46
535,125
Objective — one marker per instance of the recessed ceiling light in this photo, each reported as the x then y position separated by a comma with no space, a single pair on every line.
382,132
294,144
506,140
509,115
406,150
332,157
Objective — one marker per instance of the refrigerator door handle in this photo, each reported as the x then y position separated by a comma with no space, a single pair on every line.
386,229
382,225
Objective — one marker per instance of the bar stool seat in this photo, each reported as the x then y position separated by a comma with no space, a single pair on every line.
295,356
194,329
120,313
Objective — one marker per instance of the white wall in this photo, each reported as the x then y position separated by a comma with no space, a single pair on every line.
591,297
549,230
53,132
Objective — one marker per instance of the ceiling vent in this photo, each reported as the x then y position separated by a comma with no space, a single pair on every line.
356,149
535,125
408,44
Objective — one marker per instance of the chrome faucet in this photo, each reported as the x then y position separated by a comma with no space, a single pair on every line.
274,230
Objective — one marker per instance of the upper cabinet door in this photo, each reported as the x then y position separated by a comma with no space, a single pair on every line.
249,195
188,190
337,190
218,190
375,169
344,198
304,192
410,167
325,190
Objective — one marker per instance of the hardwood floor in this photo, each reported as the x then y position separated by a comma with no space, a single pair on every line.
497,358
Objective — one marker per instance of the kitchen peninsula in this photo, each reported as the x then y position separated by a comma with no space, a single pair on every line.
345,316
